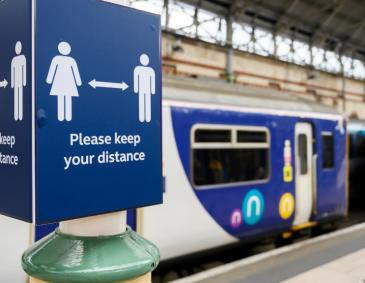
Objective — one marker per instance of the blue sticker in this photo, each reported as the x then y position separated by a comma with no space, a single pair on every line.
253,207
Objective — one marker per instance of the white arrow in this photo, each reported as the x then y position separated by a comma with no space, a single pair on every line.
94,84
4,83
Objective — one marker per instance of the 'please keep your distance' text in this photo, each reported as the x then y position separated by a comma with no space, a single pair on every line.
104,157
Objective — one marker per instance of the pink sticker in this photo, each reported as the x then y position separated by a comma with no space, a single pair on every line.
236,218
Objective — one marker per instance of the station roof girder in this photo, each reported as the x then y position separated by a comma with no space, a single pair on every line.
335,25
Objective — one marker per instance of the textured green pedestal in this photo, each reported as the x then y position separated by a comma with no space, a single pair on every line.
61,258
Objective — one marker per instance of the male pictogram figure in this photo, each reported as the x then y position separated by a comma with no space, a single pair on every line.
18,80
144,85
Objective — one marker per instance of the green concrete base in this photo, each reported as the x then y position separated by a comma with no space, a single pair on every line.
61,258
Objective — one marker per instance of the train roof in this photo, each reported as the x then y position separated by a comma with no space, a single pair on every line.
220,93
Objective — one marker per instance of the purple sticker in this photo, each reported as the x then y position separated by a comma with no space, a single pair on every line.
236,218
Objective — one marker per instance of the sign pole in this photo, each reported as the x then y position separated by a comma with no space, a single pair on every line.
98,248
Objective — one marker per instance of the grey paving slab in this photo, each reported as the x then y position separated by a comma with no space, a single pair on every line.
289,264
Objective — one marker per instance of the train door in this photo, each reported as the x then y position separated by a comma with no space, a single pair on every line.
303,173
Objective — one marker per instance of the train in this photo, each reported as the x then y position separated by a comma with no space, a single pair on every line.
240,163
356,133
243,163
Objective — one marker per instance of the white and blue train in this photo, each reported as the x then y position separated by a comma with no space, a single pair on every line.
240,164
356,132
244,163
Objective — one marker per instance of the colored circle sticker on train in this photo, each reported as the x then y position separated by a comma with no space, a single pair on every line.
236,218
286,206
253,207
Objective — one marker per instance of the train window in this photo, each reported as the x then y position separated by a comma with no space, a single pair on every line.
303,153
328,151
357,144
211,135
244,159
251,136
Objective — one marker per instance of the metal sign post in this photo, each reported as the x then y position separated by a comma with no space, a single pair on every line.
80,133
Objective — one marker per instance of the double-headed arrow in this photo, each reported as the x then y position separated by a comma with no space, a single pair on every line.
4,83
94,84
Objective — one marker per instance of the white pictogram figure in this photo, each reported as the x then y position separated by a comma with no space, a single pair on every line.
144,85
65,78
18,80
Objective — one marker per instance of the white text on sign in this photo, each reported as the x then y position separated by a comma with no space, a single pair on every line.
80,139
8,159
104,157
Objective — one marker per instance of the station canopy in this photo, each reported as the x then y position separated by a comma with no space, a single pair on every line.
334,25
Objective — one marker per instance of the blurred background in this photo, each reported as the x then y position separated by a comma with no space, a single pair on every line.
263,144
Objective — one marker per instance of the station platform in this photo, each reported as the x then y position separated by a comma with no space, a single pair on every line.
337,257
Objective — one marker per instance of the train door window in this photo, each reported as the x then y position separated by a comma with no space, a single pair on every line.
327,151
303,153
225,155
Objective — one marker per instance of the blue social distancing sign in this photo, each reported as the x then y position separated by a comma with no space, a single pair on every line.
81,126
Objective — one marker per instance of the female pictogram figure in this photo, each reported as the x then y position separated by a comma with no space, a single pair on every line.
65,78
